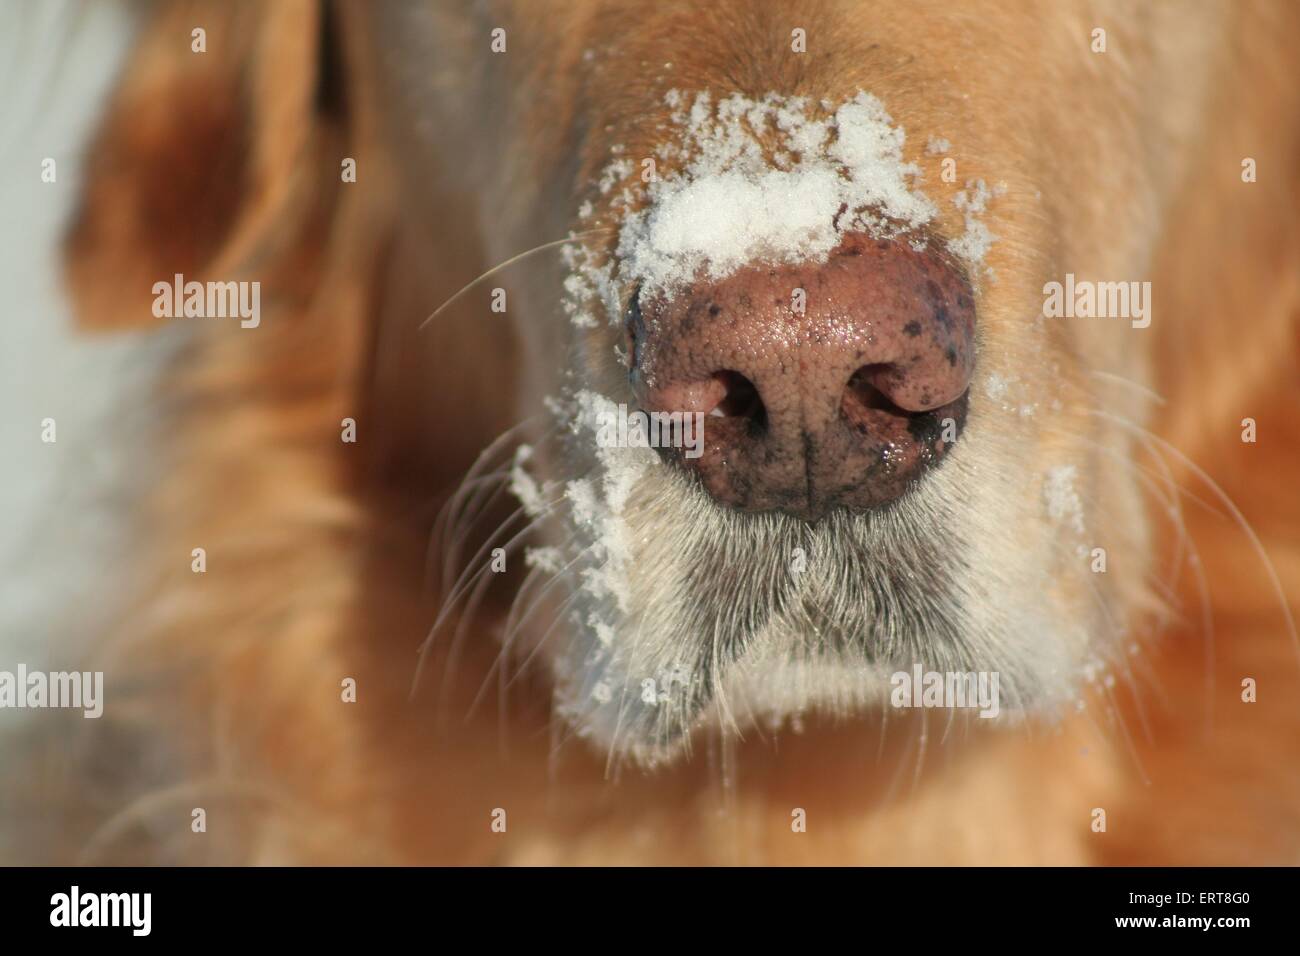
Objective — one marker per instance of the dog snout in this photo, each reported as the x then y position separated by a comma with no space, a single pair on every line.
825,385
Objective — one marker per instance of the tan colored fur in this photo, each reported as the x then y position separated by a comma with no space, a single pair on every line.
317,549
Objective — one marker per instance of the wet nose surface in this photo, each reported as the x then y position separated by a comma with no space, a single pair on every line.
825,385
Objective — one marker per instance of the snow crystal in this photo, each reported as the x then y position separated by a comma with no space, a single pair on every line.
995,386
615,173
768,180
523,485
972,244
1063,503
598,504
550,560
582,497
604,633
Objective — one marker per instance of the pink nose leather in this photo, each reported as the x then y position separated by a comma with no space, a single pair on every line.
843,404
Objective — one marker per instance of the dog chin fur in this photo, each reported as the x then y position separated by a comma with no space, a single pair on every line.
712,628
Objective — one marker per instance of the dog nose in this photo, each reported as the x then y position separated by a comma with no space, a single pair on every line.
825,385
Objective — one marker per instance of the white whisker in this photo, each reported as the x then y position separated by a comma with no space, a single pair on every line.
570,240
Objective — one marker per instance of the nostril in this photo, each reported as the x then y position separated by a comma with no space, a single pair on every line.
861,396
904,389
740,399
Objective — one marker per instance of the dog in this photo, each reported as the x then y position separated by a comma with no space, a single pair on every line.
985,314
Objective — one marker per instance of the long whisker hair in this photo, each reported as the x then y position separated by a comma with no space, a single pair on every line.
1226,500
487,480
472,284
1167,495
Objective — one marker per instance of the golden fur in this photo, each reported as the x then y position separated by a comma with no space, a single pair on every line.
227,165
